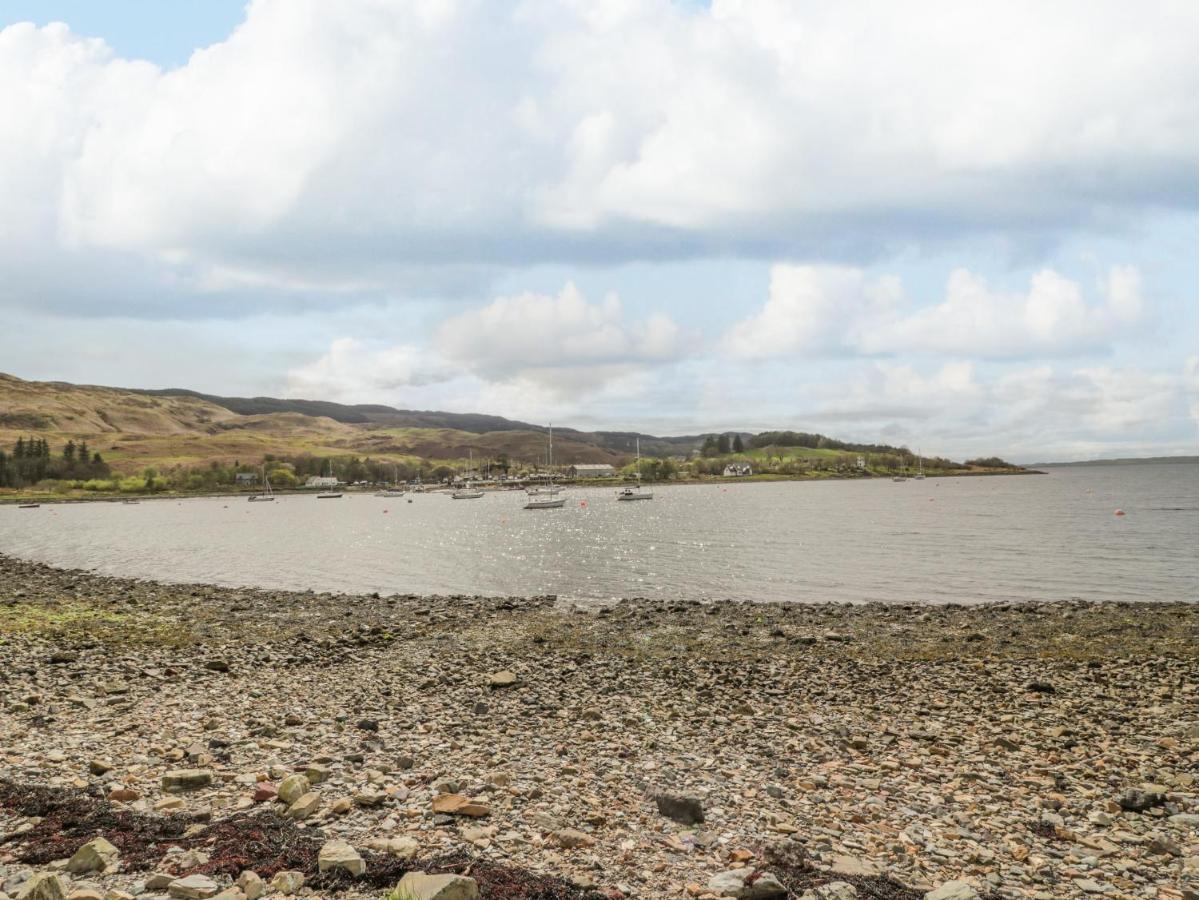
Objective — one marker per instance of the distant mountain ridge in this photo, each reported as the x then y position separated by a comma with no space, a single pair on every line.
134,428
378,414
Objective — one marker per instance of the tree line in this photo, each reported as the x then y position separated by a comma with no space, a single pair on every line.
31,460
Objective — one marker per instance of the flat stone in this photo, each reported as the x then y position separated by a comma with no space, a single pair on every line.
94,856
459,805
186,780
338,856
953,890
287,882
748,884
684,810
293,787
855,866
571,838
251,885
43,886
502,679
304,806
419,886
193,887
836,890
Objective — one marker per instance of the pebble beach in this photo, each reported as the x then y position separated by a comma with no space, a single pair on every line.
164,740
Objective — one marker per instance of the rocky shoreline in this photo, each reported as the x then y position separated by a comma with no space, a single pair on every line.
163,740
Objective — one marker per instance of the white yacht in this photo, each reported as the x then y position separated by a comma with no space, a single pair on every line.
469,492
545,498
638,492
394,490
266,494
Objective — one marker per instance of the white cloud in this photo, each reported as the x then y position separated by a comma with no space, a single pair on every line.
335,144
539,333
812,308
516,353
353,371
839,310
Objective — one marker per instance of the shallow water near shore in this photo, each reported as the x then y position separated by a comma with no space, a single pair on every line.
966,540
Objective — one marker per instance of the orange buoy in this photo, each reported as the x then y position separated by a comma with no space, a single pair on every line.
1119,512
582,503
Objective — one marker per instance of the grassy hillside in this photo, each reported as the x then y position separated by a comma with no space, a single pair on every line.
138,429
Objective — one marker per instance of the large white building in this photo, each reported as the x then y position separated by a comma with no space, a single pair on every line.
592,470
321,481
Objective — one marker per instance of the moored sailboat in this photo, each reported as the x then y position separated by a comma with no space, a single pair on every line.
470,492
638,492
267,493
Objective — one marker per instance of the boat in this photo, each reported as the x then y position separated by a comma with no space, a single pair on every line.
541,491
328,495
131,502
470,492
546,503
638,492
546,498
395,490
28,505
267,494
919,476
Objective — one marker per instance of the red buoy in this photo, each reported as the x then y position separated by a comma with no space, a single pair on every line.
1119,512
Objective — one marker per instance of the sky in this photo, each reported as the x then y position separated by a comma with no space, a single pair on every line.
967,228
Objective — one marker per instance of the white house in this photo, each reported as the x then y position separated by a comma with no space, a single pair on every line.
321,481
736,470
592,470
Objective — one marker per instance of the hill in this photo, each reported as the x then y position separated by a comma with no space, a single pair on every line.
199,440
134,429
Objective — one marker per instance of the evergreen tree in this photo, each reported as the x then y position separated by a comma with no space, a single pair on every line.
19,452
738,446
722,444
68,453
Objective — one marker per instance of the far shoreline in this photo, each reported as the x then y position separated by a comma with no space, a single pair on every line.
15,497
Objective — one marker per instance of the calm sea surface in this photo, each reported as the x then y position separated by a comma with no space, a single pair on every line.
1037,537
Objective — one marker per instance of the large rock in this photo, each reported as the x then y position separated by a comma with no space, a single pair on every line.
193,887
287,882
855,866
94,856
186,780
43,886
836,890
953,890
419,886
459,805
305,806
502,679
747,884
684,810
1140,801
338,856
251,885
293,787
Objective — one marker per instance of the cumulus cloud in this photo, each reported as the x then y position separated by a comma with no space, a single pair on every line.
1040,411
315,144
834,310
354,371
532,332
535,346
